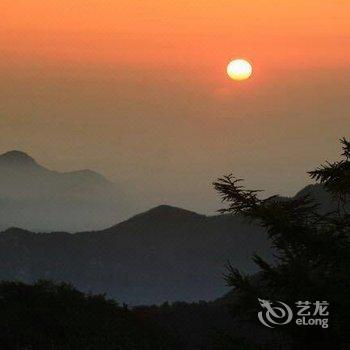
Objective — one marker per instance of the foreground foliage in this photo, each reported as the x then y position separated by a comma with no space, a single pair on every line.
312,259
57,316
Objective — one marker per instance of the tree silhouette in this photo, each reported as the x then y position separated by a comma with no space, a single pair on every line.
56,316
312,251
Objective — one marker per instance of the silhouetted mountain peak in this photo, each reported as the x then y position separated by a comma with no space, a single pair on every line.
160,214
17,158
165,210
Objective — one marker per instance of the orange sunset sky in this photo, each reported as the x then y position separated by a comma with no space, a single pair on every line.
138,91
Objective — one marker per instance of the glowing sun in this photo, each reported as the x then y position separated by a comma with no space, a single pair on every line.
239,69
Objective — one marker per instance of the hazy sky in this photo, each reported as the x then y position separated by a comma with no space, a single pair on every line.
137,90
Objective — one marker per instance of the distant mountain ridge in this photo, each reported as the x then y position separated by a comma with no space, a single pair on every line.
37,198
19,161
163,254
166,253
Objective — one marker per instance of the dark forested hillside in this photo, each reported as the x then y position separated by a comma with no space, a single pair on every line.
57,316
45,315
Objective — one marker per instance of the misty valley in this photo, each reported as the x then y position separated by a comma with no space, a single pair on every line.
166,278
